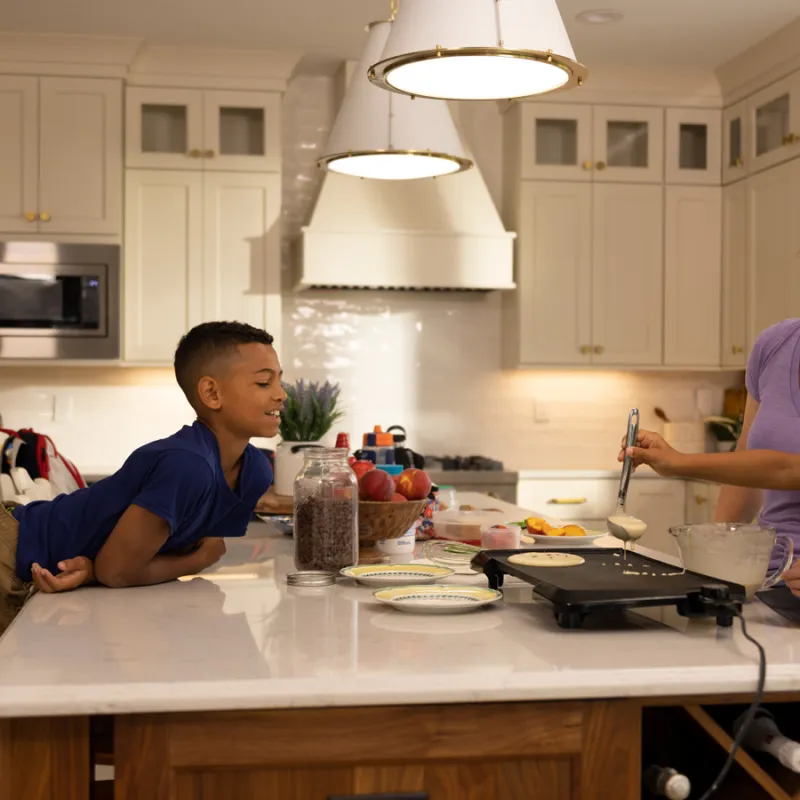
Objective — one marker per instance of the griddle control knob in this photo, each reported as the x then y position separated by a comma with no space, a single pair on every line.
715,594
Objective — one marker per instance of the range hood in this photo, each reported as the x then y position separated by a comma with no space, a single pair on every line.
419,235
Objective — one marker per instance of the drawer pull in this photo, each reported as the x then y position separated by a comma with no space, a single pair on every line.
700,499
567,501
390,796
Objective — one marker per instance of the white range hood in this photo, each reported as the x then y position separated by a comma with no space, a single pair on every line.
430,234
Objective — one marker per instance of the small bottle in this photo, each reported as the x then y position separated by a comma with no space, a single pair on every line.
764,735
667,782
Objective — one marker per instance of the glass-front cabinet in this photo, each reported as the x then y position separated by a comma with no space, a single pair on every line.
735,143
195,129
774,124
693,144
557,142
628,144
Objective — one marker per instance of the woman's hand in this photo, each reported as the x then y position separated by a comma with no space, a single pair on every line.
75,572
792,578
652,449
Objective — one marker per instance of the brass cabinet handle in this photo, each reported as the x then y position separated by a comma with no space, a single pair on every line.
737,162
586,349
736,350
31,216
208,154
601,165
587,165
45,216
195,153
700,500
599,349
567,501
790,138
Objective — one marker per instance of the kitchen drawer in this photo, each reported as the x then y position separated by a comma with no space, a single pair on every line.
569,498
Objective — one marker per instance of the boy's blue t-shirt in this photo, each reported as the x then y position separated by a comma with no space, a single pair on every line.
179,478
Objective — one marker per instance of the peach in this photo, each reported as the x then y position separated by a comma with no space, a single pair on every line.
376,485
398,498
414,484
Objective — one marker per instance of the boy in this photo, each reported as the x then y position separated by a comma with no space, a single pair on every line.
756,469
162,514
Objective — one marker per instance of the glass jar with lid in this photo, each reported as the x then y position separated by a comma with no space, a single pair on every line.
325,512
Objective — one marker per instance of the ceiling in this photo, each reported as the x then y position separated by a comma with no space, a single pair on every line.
703,33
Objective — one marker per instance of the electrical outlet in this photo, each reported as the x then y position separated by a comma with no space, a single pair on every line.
540,413
704,401
62,407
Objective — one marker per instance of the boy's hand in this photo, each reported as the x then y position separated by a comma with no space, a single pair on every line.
75,572
651,449
210,550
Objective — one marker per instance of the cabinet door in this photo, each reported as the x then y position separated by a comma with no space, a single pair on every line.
241,256
554,273
556,142
773,264
693,146
19,164
628,274
736,147
163,261
164,128
701,500
774,121
242,131
80,156
692,276
734,275
661,504
628,144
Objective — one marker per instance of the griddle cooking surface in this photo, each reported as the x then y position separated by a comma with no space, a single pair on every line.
602,582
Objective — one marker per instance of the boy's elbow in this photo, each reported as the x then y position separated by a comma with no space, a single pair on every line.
113,578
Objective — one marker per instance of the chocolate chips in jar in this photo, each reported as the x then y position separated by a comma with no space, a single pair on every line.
326,534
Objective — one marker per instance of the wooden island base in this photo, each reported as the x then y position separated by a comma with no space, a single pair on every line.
583,750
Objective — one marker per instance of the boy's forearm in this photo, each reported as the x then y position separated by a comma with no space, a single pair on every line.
758,469
161,569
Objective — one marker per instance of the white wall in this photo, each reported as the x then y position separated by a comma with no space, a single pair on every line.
431,362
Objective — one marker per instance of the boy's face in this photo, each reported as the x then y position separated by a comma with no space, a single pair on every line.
245,391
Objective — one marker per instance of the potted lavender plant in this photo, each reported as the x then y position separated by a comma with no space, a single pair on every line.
310,412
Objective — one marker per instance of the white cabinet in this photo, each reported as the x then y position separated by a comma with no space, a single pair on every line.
199,247
701,500
693,146
606,144
734,275
774,124
193,129
19,162
692,276
773,248
627,255
60,156
736,136
554,276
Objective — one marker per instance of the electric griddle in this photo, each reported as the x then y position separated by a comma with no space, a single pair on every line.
610,581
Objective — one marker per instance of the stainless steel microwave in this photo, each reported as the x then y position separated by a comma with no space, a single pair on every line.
59,301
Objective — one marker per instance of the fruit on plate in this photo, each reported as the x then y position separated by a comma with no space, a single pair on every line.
376,486
398,498
361,468
574,530
414,484
555,531
538,526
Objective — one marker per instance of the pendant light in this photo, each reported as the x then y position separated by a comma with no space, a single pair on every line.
388,136
477,50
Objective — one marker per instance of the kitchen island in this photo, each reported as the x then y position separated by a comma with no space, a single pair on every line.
237,686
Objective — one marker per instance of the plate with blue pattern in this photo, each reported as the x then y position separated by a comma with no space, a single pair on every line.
440,599
378,575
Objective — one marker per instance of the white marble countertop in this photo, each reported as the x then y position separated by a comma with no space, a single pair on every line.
242,639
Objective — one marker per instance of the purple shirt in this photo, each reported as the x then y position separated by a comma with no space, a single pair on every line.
773,379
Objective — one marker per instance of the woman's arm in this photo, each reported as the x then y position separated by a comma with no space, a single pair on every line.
741,503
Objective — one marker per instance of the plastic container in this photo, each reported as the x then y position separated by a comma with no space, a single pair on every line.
501,537
465,526
396,547
390,469
325,512
446,498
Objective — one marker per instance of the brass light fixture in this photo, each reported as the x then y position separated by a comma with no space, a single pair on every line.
477,50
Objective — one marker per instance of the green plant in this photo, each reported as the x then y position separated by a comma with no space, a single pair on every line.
311,410
724,429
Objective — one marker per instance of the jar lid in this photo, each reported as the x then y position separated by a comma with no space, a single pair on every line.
311,578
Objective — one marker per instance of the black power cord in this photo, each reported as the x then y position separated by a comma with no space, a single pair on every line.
750,715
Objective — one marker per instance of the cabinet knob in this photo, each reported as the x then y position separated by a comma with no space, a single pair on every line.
31,216
736,350
790,138
586,349
45,216
601,165
599,349
195,153
700,500
208,154
587,165
737,162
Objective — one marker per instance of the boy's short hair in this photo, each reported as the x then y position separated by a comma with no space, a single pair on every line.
205,342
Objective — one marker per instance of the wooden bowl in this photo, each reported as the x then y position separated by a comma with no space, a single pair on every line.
378,521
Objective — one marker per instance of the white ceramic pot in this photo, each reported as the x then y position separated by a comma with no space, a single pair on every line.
289,458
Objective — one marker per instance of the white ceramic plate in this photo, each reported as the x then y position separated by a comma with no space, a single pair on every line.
561,542
437,599
397,574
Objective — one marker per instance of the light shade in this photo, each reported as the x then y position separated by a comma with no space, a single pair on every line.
477,50
388,136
